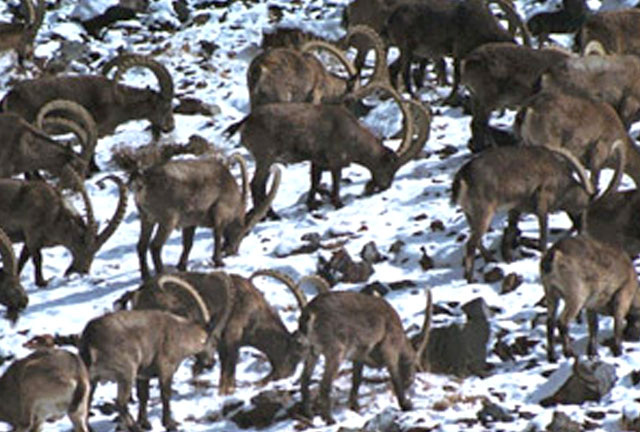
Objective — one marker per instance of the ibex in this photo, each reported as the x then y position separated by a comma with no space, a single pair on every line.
36,213
190,193
360,327
587,128
518,179
110,102
567,19
128,346
330,137
437,28
251,321
44,386
296,75
20,36
12,294
587,273
28,148
616,30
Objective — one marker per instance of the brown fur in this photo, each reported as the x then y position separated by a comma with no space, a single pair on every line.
19,36
616,30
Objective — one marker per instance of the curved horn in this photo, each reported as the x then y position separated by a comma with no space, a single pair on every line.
204,311
10,266
114,63
228,304
425,331
262,210
240,160
29,11
92,227
594,47
321,284
75,112
621,156
129,61
326,46
380,70
118,215
577,165
514,20
285,279
422,122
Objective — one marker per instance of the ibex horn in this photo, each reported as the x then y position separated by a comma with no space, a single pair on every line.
240,160
514,20
261,211
577,165
129,61
380,70
322,45
183,284
594,47
118,215
425,331
285,279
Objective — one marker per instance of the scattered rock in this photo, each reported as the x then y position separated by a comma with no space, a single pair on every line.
266,408
510,283
562,423
396,247
491,412
494,275
193,106
342,268
437,225
371,254
426,262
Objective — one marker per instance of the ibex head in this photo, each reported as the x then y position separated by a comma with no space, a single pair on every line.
12,294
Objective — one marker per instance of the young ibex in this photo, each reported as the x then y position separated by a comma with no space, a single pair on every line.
44,386
587,128
110,102
19,36
251,321
12,294
190,193
296,75
616,30
128,346
37,214
587,273
437,28
519,179
363,328
502,75
329,136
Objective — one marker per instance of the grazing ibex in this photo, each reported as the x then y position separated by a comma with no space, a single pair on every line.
519,179
44,386
12,294
128,346
329,136
36,213
296,75
110,102
360,327
587,273
190,193
587,128
20,36
616,30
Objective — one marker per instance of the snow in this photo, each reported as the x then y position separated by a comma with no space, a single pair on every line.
418,197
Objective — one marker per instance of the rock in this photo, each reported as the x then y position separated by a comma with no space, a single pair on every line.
426,262
494,275
562,423
371,254
342,268
266,408
510,283
491,412
192,106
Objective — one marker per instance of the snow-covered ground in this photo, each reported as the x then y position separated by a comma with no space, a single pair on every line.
410,212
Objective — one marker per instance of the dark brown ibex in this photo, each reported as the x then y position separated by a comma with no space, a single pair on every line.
36,213
588,274
190,193
362,328
44,386
20,36
519,179
12,294
128,346
329,136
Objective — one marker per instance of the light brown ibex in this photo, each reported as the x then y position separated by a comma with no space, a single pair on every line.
190,193
44,386
36,213
19,36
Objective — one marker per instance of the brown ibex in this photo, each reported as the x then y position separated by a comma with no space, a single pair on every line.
110,102
587,273
19,36
587,128
12,294
519,179
36,213
296,75
128,346
330,137
363,328
616,30
190,193
44,386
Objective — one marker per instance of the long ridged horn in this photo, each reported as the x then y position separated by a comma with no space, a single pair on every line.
9,262
76,112
421,120
240,160
118,215
577,165
425,332
129,61
594,47
326,46
514,20
621,160
92,227
321,284
29,11
165,279
262,210
285,279
228,304
380,70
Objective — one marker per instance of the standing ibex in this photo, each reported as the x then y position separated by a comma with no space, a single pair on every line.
128,346
191,193
12,294
587,273
37,214
20,36
44,386
518,179
360,327
331,138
